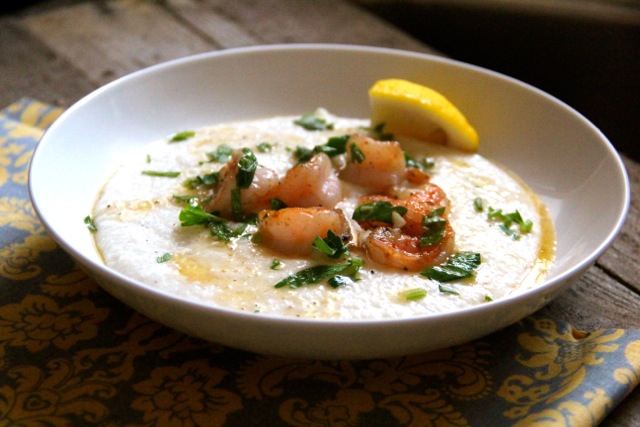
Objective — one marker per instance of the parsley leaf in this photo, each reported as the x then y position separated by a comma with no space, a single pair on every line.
332,245
247,165
222,154
224,233
205,179
161,174
422,165
318,273
378,211
458,266
311,121
415,294
264,147
357,156
193,214
435,227
164,258
334,146
90,224
182,136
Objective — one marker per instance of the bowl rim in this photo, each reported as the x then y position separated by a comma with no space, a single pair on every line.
543,289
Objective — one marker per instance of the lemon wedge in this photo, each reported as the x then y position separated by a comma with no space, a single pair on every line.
416,111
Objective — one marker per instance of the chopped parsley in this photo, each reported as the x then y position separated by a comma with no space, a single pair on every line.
313,122
478,204
422,165
458,266
182,136
90,224
276,264
161,174
378,211
199,180
357,156
332,245
264,147
247,165
379,133
277,204
435,226
193,214
415,294
225,233
334,146
222,154
164,258
447,289
335,274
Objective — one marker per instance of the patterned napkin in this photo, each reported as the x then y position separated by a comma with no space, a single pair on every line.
70,354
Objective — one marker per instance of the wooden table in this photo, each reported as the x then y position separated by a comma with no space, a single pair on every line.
58,51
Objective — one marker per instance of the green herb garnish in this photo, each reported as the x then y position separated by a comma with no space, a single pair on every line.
90,224
357,156
508,219
236,204
447,289
334,146
161,174
264,147
458,266
435,227
225,233
332,245
205,179
164,258
318,273
277,204
182,136
222,154
193,214
424,164
415,294
276,264
378,211
247,165
379,134
313,122
478,204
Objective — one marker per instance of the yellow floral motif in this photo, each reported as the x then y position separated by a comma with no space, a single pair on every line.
560,361
38,322
30,396
185,395
19,214
72,283
385,382
19,262
571,413
343,411
626,375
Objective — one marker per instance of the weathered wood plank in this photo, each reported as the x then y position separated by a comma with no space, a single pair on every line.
300,21
622,260
28,68
597,301
106,40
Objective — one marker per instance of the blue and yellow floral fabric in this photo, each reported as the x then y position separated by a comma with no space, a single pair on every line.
72,355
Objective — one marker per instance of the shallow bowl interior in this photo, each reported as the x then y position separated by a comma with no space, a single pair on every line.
557,152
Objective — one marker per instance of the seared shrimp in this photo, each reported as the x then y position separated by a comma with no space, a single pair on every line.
253,199
380,166
292,230
402,247
314,183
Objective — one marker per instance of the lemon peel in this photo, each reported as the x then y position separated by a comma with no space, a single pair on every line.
413,110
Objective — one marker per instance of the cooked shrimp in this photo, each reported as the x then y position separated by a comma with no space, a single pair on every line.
253,199
401,247
314,183
292,230
382,164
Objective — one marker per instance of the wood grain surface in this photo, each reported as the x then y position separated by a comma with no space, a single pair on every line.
59,51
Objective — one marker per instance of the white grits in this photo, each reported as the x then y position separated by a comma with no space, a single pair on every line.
137,222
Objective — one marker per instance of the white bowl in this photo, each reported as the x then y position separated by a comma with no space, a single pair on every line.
559,153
